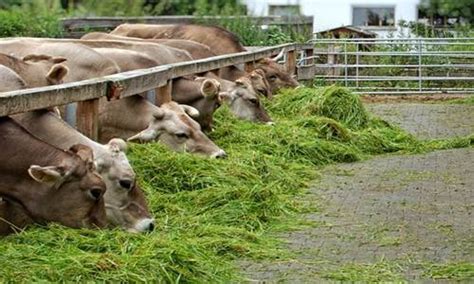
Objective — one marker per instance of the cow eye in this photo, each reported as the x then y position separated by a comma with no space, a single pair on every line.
273,77
182,135
253,101
95,193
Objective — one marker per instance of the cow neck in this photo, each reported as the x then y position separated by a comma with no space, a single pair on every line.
46,126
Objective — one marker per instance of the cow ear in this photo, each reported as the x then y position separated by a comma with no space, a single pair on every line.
117,145
85,153
48,175
147,135
57,73
210,88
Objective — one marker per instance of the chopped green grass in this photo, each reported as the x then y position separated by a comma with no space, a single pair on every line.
454,271
377,272
210,212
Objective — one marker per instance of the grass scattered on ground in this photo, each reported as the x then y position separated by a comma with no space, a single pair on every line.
377,272
210,212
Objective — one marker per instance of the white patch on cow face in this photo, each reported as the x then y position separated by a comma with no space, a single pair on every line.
143,225
243,102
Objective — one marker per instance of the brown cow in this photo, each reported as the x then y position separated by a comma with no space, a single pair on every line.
197,51
170,123
242,99
162,53
219,40
201,95
83,62
51,185
125,202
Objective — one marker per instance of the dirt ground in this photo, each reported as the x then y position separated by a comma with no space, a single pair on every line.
391,217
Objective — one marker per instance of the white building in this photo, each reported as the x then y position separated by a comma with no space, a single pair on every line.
379,16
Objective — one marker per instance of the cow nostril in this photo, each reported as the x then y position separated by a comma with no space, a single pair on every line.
126,183
151,227
220,155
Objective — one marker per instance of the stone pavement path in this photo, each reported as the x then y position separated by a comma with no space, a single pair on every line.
428,121
389,218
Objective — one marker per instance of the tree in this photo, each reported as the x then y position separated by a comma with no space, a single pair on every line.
460,9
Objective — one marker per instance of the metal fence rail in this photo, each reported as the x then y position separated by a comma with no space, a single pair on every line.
393,66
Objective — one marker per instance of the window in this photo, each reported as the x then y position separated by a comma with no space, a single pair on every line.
373,16
284,10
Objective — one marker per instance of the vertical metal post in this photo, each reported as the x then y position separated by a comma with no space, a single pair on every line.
331,59
419,64
345,63
357,65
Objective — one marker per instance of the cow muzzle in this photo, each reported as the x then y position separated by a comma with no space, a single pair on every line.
221,154
144,225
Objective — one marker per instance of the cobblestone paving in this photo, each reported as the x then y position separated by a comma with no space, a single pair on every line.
428,121
405,210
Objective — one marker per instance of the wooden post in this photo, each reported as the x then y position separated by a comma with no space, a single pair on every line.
309,53
163,94
291,62
88,118
249,66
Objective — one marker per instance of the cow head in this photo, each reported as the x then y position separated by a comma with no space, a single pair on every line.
244,102
209,89
260,83
276,75
51,66
172,125
125,203
75,191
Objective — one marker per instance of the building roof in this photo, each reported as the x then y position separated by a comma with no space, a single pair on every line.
350,30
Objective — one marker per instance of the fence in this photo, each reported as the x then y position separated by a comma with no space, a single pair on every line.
87,93
76,27
397,66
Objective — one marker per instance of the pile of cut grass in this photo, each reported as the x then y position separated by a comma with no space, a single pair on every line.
210,212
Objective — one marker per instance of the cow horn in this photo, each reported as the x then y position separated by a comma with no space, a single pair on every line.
279,56
191,111
144,136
